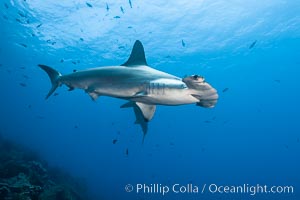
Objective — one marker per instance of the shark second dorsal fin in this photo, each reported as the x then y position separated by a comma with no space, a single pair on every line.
137,56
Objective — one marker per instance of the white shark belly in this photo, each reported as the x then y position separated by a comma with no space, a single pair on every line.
172,99
165,92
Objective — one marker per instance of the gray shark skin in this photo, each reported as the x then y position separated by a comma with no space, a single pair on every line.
143,86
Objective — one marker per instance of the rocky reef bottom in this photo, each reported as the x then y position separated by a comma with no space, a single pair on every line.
24,176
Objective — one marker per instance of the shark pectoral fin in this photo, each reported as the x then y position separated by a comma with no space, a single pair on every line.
128,105
143,114
147,110
93,95
140,119
137,56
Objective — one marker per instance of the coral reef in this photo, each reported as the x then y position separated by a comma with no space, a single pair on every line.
24,176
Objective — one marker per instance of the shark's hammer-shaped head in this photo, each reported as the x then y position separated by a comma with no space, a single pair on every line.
201,90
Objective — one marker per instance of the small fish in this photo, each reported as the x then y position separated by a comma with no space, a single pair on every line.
126,152
62,60
225,89
298,140
88,4
107,7
122,10
277,81
18,20
207,121
29,106
117,17
182,43
23,84
114,141
81,39
121,47
32,34
74,70
38,26
172,144
48,41
286,146
21,14
130,4
129,27
6,6
25,76
53,43
253,44
22,67
76,126
74,62
55,94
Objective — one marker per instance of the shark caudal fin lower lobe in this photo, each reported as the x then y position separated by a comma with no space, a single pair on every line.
54,78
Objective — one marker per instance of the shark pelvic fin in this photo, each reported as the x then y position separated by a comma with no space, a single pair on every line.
92,93
137,56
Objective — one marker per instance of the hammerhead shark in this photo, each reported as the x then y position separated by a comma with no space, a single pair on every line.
142,86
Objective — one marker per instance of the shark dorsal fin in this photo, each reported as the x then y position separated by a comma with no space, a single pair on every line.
137,56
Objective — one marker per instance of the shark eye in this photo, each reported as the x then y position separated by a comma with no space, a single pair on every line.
195,77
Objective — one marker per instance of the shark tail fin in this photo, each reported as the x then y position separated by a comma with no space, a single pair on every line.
54,77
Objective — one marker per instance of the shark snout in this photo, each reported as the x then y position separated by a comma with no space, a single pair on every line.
210,99
207,96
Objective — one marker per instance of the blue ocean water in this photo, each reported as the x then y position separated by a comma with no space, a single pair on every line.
249,51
